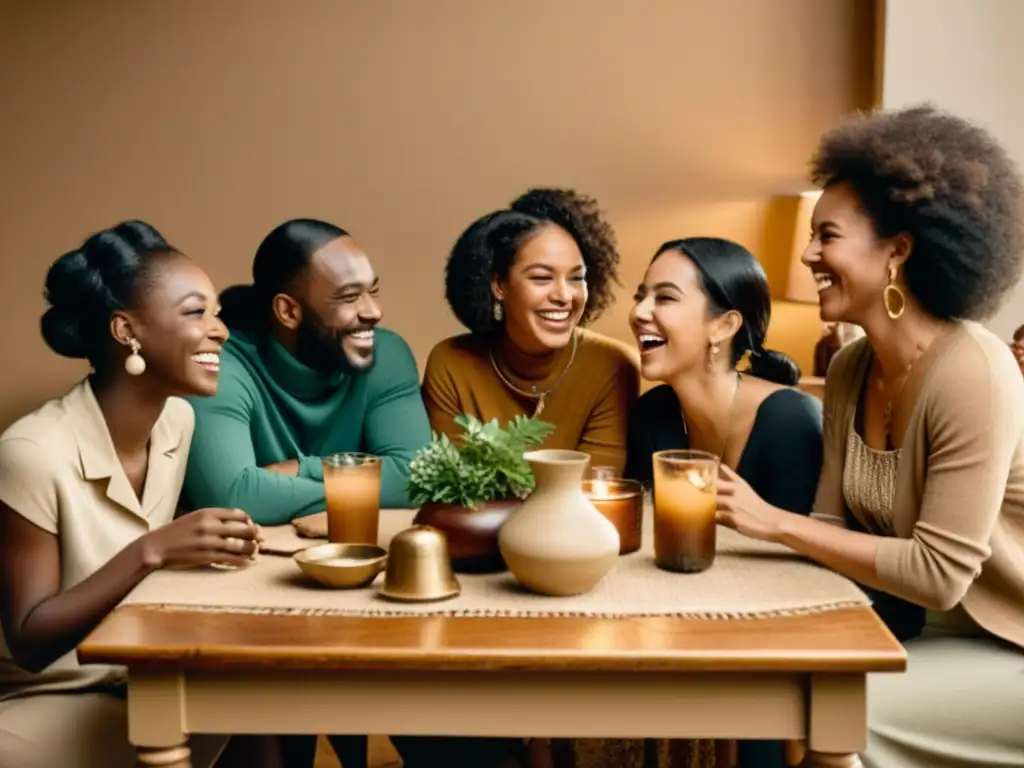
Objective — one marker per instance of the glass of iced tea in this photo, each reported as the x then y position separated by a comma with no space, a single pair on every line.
685,484
352,487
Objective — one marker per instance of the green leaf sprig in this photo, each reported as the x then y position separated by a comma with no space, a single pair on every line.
487,464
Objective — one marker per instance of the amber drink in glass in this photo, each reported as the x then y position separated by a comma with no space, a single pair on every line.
352,487
685,483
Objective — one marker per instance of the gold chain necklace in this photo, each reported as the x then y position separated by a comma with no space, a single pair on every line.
732,414
891,393
542,396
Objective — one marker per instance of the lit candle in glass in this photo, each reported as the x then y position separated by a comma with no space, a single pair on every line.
685,484
619,500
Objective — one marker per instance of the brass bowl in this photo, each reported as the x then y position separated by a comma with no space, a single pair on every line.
342,566
419,568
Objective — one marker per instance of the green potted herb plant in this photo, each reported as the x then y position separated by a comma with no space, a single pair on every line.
467,488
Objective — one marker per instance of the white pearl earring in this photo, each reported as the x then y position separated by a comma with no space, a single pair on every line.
134,364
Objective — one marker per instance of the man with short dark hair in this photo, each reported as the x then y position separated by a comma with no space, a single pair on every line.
306,372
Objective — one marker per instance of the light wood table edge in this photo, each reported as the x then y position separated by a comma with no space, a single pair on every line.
145,637
185,680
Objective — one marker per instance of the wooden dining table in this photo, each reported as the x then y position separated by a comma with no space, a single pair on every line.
796,678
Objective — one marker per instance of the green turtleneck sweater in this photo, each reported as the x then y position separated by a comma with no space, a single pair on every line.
269,408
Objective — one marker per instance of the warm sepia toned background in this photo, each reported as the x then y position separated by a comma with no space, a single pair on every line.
968,58
404,120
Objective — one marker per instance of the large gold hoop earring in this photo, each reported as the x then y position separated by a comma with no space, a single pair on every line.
894,299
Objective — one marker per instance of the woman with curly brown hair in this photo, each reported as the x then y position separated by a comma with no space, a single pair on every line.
918,233
524,281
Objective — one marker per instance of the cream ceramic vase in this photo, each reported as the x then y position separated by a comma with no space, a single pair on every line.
557,542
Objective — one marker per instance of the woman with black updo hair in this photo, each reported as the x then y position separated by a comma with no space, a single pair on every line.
700,313
89,487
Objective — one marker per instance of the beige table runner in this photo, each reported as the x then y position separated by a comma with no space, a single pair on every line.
748,580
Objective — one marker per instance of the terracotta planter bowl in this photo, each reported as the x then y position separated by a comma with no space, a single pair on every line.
472,533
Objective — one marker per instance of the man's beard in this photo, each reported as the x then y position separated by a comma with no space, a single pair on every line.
322,349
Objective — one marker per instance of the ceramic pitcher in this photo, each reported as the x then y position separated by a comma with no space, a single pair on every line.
557,542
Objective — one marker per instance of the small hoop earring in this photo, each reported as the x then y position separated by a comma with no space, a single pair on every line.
894,299
134,364
712,355
499,312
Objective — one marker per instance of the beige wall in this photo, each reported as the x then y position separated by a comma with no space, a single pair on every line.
966,57
402,121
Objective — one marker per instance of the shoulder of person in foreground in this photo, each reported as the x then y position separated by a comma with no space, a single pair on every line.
611,372
30,452
451,365
605,355
787,413
222,466
976,362
179,418
394,364
452,359
236,397
787,438
654,409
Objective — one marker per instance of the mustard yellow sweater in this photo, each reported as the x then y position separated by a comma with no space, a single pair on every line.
589,407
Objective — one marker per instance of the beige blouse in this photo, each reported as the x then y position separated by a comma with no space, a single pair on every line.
958,497
869,483
869,487
59,470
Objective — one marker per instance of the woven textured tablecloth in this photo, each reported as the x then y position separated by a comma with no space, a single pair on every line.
749,579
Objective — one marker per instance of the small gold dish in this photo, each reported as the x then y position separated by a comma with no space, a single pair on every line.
419,567
342,566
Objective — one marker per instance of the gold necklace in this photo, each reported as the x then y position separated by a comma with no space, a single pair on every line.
891,393
728,429
542,396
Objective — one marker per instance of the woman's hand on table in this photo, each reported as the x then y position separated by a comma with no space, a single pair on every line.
212,536
741,509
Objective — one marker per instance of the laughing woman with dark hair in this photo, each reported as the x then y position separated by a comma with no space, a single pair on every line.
918,234
703,307
525,281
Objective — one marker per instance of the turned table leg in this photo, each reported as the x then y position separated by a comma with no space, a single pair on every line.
165,757
838,721
156,720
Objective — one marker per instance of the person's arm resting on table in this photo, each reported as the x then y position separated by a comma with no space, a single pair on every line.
973,423
222,470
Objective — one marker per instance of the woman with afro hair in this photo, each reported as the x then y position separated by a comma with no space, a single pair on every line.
524,281
917,235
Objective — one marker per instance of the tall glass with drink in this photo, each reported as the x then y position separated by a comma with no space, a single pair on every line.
685,485
352,487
